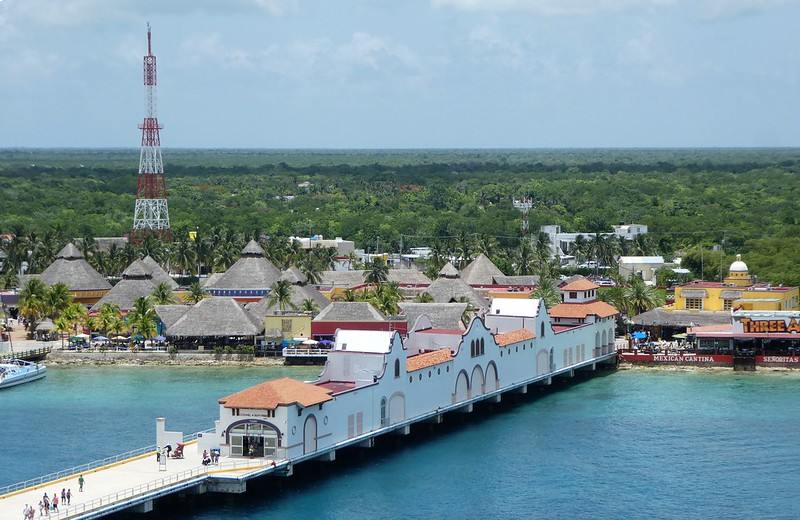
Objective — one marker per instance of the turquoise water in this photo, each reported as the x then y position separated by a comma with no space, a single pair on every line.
633,444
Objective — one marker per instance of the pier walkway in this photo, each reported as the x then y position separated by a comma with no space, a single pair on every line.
134,480
125,483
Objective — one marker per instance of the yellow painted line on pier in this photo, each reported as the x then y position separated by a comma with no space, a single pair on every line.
87,472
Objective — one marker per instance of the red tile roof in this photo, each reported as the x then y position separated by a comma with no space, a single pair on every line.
280,392
582,284
581,310
515,336
428,359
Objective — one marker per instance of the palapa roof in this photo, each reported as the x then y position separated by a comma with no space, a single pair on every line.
298,293
408,277
442,315
137,269
216,317
251,271
428,359
527,280
71,269
159,275
46,325
449,271
350,311
293,275
480,271
515,336
169,314
680,318
597,308
581,284
211,280
280,392
126,292
448,290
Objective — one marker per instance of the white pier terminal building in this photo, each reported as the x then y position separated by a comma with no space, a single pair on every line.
376,381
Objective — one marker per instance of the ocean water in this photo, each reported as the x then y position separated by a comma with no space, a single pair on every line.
631,444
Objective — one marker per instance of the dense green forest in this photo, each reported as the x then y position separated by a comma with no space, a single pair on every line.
745,201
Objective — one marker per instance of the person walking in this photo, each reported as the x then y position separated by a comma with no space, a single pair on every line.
63,496
46,501
69,496
55,502
25,512
80,483
41,508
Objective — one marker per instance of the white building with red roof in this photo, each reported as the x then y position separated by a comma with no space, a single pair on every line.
375,381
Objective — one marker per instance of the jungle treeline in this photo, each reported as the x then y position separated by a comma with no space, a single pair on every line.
718,201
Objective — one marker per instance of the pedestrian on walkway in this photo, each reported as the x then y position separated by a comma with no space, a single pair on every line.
63,496
55,502
80,483
69,496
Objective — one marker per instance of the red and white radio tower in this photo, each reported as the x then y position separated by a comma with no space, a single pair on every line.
151,214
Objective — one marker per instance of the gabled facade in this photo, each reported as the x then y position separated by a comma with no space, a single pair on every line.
374,381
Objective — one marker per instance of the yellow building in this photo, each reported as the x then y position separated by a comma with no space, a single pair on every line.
287,325
736,291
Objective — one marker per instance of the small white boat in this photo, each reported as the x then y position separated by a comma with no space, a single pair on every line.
17,371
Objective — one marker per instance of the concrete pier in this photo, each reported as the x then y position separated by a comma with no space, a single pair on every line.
135,483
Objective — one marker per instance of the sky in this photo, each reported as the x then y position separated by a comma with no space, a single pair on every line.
403,73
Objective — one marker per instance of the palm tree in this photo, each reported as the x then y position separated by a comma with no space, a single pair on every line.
62,327
377,272
524,258
281,295
183,256
547,290
56,299
32,301
108,315
310,267
196,292
464,249
309,306
386,298
640,297
163,295
76,315
424,298
142,317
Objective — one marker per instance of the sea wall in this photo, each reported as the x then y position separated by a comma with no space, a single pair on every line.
69,357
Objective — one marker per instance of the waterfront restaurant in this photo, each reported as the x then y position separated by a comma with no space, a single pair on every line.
771,336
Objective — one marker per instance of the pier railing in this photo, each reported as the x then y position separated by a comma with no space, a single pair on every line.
85,468
153,485
306,352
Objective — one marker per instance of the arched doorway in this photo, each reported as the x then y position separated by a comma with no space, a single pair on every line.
477,381
397,408
462,388
310,435
492,381
253,438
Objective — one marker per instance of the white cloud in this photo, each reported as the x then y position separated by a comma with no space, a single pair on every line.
703,8
80,12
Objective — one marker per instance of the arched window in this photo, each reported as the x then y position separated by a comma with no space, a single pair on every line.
383,411
396,368
542,329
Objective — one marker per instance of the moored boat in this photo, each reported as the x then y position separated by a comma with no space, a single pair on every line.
18,371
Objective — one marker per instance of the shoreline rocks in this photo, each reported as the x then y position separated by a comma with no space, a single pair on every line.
63,358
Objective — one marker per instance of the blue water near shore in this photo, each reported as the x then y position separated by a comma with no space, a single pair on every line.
633,444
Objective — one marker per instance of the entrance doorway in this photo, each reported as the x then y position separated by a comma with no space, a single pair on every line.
253,440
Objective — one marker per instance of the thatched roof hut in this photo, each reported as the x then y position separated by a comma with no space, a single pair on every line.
72,269
136,283
158,274
298,294
449,290
215,317
251,271
442,315
480,271
350,311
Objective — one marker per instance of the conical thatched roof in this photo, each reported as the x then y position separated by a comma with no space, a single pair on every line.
71,269
350,311
169,314
251,271
448,290
252,248
448,271
70,252
137,269
299,293
294,276
442,315
159,275
480,271
126,292
214,317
